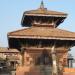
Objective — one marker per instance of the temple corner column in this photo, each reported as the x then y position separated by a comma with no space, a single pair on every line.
55,68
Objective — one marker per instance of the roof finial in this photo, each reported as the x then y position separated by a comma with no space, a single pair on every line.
42,5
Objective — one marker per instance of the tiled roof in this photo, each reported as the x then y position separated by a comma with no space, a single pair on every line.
45,12
38,14
42,32
6,50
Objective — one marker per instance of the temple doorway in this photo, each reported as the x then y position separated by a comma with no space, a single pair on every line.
44,63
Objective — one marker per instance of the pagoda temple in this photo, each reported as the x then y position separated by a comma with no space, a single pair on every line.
43,47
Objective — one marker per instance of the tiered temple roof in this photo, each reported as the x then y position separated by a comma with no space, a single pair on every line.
42,24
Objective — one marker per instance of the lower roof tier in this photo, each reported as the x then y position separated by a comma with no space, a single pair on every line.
42,33
41,37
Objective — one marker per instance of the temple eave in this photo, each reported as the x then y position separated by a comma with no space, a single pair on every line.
53,15
39,37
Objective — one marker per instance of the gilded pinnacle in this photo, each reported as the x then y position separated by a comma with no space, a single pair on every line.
42,5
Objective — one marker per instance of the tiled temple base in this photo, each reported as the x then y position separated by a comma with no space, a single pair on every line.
25,70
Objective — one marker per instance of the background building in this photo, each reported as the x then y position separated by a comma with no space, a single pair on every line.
9,57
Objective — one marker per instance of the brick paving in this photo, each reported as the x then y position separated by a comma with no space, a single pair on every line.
69,73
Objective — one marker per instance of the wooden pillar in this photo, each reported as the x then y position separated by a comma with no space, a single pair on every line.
22,59
22,56
55,70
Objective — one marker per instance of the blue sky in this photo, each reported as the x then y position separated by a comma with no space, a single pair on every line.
11,12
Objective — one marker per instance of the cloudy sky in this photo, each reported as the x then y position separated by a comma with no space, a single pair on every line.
11,12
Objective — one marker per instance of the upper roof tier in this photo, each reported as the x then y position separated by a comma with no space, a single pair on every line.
42,17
